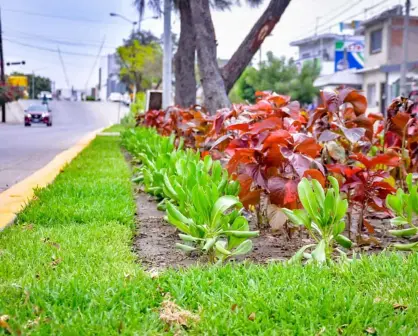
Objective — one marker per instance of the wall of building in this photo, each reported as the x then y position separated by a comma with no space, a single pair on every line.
313,49
396,40
374,78
380,58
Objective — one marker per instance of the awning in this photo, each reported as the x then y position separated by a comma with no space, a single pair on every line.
347,77
411,66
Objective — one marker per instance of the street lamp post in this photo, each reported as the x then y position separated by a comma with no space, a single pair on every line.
126,19
167,57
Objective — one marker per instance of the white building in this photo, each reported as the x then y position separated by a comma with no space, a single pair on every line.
384,54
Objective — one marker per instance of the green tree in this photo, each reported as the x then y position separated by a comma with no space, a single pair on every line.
279,75
37,83
140,64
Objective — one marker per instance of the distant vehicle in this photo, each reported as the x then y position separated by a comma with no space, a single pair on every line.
38,114
47,94
115,97
126,99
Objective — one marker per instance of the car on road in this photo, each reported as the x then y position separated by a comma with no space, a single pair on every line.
115,97
38,114
47,94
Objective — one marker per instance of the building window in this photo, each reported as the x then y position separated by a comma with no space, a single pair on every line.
371,95
376,41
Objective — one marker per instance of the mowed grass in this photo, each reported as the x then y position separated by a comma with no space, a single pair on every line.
115,128
67,269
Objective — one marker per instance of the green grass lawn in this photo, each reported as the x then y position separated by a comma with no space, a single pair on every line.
67,268
115,128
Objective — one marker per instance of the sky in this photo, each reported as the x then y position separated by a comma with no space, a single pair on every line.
85,33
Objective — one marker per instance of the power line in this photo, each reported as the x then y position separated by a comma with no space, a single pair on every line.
63,67
48,49
61,17
95,62
54,41
54,38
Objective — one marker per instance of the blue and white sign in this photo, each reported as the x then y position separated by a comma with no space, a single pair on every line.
355,55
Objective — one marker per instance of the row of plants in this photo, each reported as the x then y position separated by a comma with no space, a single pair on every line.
199,197
270,146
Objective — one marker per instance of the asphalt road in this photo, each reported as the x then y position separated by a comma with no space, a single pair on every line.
24,150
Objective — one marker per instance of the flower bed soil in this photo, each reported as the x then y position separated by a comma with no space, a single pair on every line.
155,240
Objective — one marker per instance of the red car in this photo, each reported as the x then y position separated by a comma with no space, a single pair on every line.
38,114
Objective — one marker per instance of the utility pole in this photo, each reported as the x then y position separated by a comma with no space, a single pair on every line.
167,59
404,64
33,84
2,79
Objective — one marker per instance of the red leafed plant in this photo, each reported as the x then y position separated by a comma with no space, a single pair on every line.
366,185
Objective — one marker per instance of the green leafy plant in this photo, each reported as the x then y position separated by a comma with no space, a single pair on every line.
215,228
198,195
322,216
405,207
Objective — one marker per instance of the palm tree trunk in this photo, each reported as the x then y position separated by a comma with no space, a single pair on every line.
212,81
245,52
184,60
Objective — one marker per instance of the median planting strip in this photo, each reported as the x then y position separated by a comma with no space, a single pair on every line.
67,267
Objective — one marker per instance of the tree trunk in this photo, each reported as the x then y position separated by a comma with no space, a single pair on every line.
211,79
245,52
184,60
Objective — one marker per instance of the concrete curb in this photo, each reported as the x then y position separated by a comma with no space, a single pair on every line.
15,199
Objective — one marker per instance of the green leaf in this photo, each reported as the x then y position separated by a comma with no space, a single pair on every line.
169,188
319,191
223,204
297,258
398,221
319,254
339,228
394,202
343,241
242,234
243,248
207,163
176,214
297,217
308,198
186,248
221,249
240,223
406,247
404,233
189,238
209,243
178,224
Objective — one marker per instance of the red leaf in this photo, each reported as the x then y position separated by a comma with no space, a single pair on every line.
267,124
330,100
221,140
279,100
274,157
308,147
280,137
390,159
250,198
327,135
282,191
356,98
353,134
315,174
368,226
300,163
244,127
242,155
399,122
261,105
256,172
